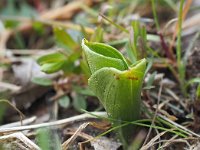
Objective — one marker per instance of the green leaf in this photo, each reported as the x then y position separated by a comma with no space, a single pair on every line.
83,91
85,68
39,28
52,62
114,87
43,138
151,79
117,85
79,103
198,92
119,92
137,45
130,53
69,65
11,24
194,80
100,55
64,101
42,81
98,34
51,58
52,67
63,39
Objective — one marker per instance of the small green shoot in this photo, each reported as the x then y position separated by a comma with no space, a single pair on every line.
63,39
155,15
198,92
137,47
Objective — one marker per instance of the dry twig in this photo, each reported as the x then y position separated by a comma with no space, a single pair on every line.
54,123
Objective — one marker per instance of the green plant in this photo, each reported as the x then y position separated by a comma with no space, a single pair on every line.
181,66
155,14
68,61
63,59
137,47
116,83
198,92
45,136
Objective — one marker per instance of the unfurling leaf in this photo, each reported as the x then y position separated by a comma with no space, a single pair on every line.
117,85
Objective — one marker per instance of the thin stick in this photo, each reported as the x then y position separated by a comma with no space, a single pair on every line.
15,108
18,123
9,86
113,23
149,144
54,123
29,51
67,143
6,139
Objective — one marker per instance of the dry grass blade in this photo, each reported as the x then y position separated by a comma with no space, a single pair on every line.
4,36
67,143
15,108
30,51
150,143
17,141
179,126
99,142
12,87
169,142
3,39
113,23
168,24
16,124
172,141
54,123
192,21
66,11
156,112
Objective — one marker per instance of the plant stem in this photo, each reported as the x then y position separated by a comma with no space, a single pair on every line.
155,15
181,67
115,24
178,48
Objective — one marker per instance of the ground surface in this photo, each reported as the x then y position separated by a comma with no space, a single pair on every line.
56,99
